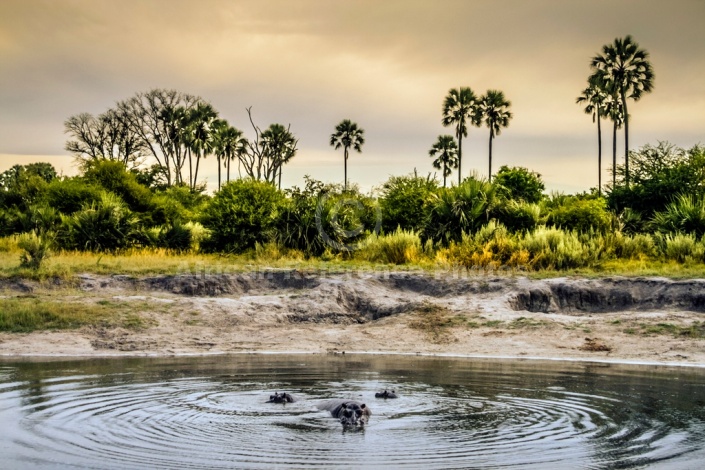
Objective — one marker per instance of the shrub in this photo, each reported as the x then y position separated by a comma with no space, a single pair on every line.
491,245
296,224
112,175
450,212
399,247
519,216
177,237
685,215
632,246
402,202
35,249
70,195
107,225
582,215
242,213
551,247
681,247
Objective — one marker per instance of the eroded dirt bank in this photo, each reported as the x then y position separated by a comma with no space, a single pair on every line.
641,319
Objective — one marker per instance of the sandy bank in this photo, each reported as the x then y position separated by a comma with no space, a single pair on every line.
638,320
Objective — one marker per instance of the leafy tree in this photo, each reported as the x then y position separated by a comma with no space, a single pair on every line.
459,106
243,213
402,202
24,185
658,175
686,214
595,99
627,72
202,120
446,152
347,134
519,184
495,112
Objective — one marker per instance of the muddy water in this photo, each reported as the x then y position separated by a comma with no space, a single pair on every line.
211,412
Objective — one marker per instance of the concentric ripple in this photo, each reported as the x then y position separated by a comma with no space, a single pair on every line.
452,413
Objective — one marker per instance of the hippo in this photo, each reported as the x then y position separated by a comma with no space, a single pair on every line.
386,394
281,398
349,412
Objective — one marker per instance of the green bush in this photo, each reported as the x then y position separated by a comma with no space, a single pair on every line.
241,214
402,202
636,246
107,225
685,215
519,216
112,175
296,224
70,195
582,215
681,247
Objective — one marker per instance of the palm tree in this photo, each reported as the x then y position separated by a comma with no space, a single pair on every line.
615,111
458,106
447,151
227,144
496,115
280,144
595,99
627,72
347,134
201,120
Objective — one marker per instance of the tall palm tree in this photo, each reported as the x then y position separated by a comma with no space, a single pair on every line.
459,106
615,112
595,99
202,119
347,134
496,115
626,70
446,151
227,145
280,145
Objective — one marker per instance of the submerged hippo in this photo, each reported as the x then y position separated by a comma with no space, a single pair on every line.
386,394
349,412
281,398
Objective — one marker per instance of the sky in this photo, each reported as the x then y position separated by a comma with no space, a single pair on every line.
386,65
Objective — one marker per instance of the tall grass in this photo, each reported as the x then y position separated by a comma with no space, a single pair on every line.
399,247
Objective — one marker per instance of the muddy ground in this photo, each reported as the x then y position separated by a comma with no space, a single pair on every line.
632,319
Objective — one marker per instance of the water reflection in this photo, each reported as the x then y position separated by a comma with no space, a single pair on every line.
211,412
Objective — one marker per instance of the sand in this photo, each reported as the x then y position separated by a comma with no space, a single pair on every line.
616,319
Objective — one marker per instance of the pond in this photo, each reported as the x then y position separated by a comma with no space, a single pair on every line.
211,412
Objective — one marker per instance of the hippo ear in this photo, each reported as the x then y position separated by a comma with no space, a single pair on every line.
344,405
362,406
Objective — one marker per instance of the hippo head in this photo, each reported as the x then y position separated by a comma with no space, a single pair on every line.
352,414
281,398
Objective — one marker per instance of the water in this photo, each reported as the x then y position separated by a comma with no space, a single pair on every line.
211,412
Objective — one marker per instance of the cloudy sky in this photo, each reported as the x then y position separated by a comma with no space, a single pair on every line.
385,64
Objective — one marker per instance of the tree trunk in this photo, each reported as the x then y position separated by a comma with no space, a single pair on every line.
614,155
626,139
280,177
195,173
489,178
445,170
345,184
228,176
218,172
190,169
460,156
599,154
